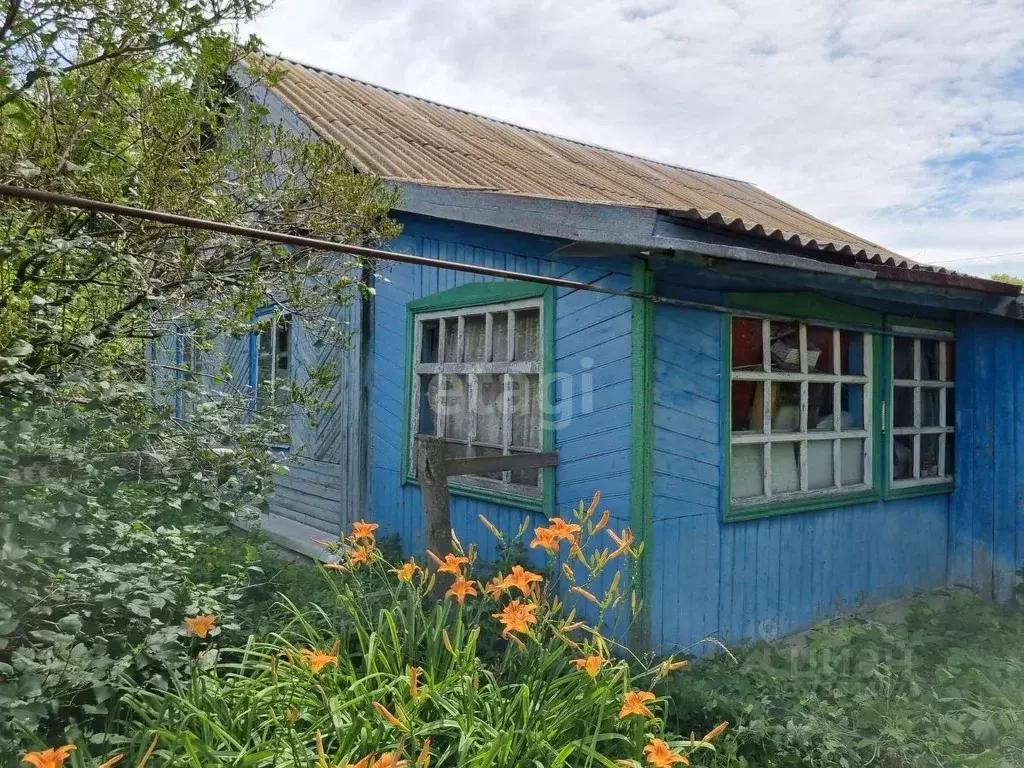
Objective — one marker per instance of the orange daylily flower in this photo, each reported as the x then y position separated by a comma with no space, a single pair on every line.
717,731
361,530
200,626
516,617
389,718
451,564
49,758
602,521
407,571
423,761
414,683
660,756
363,554
592,664
562,530
460,589
364,762
623,542
319,659
521,579
634,704
390,760
544,537
495,587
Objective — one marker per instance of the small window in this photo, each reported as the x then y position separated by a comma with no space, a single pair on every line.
271,374
921,411
190,362
801,411
476,382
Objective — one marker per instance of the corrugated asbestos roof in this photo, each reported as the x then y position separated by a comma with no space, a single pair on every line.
405,138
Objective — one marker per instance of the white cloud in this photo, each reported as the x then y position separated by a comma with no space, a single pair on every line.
902,121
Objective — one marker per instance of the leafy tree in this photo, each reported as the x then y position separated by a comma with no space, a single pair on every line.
1005,278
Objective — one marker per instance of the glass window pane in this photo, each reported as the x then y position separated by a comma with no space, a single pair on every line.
456,407
785,406
851,353
528,477
819,350
819,406
526,411
747,473
950,362
929,455
428,397
747,406
475,329
851,400
785,346
951,407
488,409
785,467
819,464
479,450
851,462
429,331
451,340
903,406
902,358
499,337
929,360
950,455
747,347
903,457
527,346
929,407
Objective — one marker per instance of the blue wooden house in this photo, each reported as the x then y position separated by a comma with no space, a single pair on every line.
797,421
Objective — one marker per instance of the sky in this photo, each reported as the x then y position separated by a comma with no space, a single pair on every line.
899,120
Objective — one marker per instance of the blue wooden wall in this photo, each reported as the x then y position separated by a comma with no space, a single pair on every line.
592,352
766,578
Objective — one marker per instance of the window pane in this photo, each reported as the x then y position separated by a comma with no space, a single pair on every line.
819,406
929,455
429,331
951,407
819,464
950,362
527,346
950,456
785,406
851,400
785,346
451,340
903,406
485,451
819,349
526,411
456,407
851,353
785,467
499,337
851,462
903,457
929,407
488,409
902,358
475,329
529,477
929,360
747,475
747,347
428,396
747,406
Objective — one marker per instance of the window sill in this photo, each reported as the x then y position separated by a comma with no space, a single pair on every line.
526,503
920,489
739,514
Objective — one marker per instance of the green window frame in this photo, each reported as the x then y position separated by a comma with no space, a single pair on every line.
801,425
920,407
451,362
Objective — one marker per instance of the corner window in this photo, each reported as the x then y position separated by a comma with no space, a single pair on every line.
476,382
801,412
921,411
271,373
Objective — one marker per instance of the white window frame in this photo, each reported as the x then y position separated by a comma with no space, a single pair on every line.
275,378
804,377
917,384
506,369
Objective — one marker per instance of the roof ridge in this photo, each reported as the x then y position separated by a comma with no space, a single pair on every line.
547,134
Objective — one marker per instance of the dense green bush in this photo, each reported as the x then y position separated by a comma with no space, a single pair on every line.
945,688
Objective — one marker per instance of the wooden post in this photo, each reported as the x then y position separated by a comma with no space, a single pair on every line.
430,471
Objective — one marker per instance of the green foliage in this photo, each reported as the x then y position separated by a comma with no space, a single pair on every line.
1011,279
946,688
